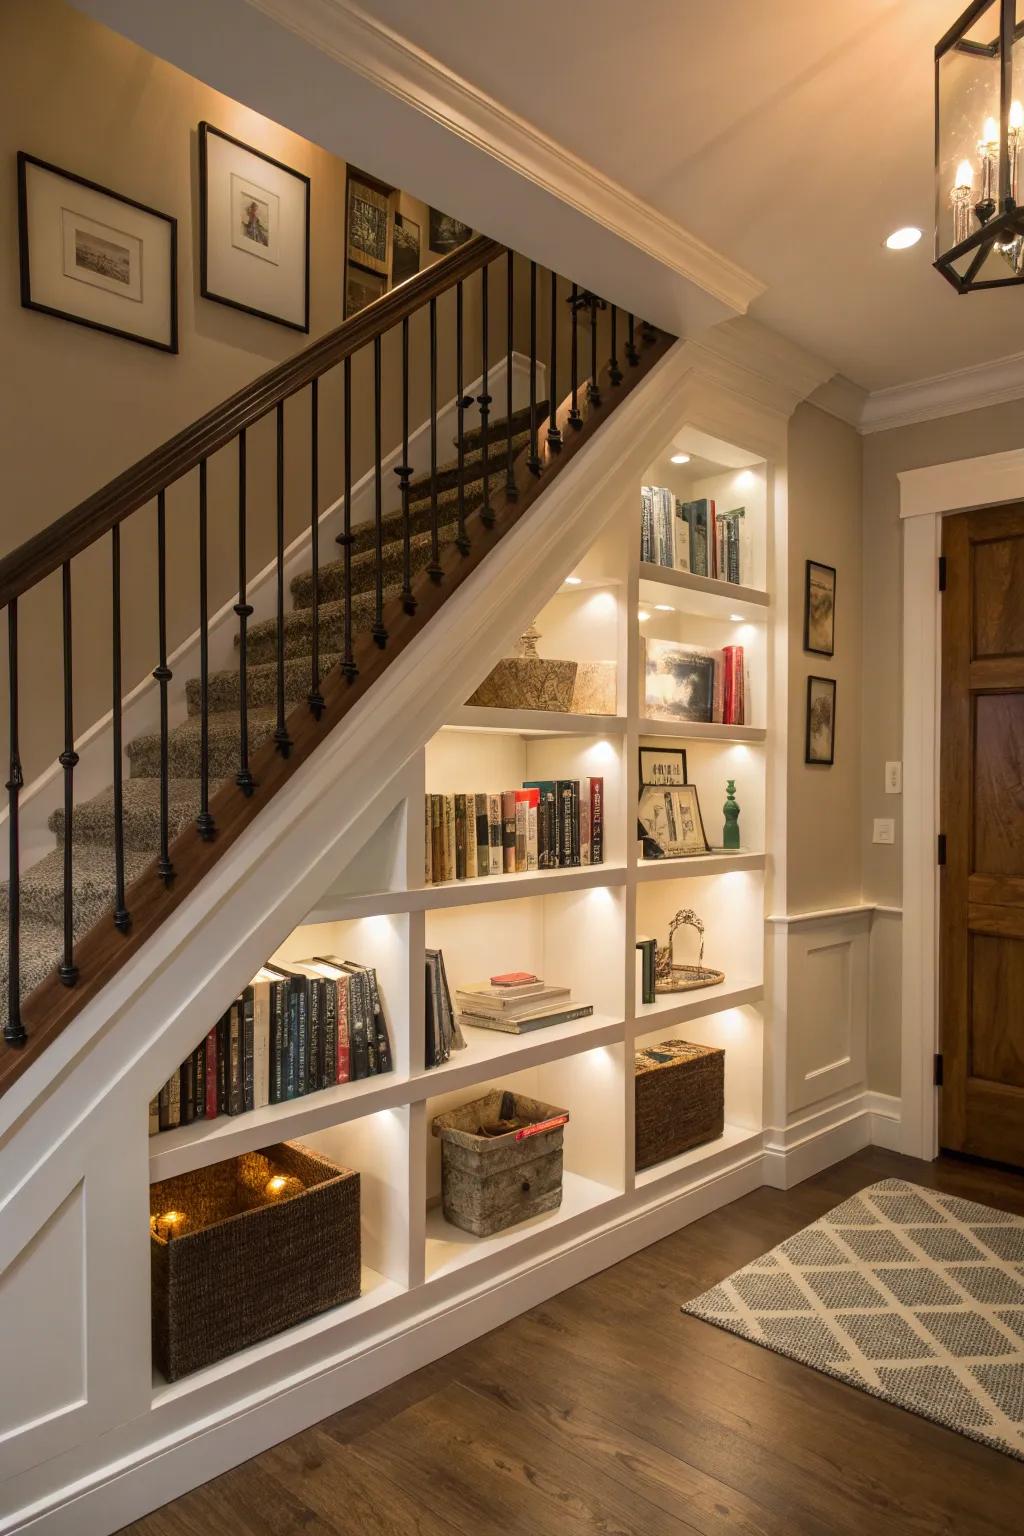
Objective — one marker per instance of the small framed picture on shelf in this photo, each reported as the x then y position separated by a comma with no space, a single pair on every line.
369,222
253,231
96,258
662,766
821,721
670,823
820,609
679,682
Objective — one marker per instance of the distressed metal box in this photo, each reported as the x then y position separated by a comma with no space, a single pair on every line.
492,1182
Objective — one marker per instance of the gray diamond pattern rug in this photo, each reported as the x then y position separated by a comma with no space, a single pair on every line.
911,1295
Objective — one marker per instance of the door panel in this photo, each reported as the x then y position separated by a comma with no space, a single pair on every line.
982,798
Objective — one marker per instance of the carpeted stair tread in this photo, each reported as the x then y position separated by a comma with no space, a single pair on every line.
497,427
472,469
332,576
183,746
92,884
261,645
224,689
94,819
40,948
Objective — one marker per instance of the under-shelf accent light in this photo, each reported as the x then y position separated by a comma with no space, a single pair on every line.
572,581
737,618
664,607
642,614
680,458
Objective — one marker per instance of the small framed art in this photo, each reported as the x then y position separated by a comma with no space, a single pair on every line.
820,609
253,231
670,821
679,682
369,222
821,720
445,233
662,766
405,250
361,288
96,258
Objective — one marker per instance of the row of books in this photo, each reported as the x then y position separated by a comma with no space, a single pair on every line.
692,535
547,824
516,1003
289,1033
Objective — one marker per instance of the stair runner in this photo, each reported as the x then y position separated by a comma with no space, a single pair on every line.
42,886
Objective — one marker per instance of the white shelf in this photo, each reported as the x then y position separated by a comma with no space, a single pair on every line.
706,596
450,1249
489,1051
534,722
734,1141
467,893
701,730
679,1007
699,864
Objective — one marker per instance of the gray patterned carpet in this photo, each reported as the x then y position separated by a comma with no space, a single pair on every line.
914,1296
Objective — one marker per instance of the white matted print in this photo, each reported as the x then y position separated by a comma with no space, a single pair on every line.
254,231
94,257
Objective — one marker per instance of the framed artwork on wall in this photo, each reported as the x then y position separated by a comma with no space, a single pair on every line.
446,233
96,258
405,253
821,721
820,609
361,288
253,231
369,222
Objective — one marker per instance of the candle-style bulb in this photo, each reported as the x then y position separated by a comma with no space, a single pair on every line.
1016,116
964,174
990,133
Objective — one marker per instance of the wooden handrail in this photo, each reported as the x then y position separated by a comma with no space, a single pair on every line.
47,550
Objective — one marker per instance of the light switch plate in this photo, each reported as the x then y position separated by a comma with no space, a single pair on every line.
885,830
893,778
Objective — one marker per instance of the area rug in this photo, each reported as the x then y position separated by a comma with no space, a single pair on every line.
914,1296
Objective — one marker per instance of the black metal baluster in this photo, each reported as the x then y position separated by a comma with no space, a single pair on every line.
533,463
243,778
162,673
122,917
404,473
511,489
380,634
614,371
483,400
462,401
434,569
593,388
575,419
14,1029
281,737
344,538
315,697
204,821
68,970
632,355
554,431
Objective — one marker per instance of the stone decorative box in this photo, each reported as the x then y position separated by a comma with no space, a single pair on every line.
490,1182
680,1099
529,681
247,1247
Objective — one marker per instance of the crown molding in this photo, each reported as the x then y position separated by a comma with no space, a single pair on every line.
392,63
752,360
842,398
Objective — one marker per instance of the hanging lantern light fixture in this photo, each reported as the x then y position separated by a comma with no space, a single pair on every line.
979,140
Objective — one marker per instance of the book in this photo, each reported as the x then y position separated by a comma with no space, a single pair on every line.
344,1062
516,979
460,836
696,515
260,1043
449,836
682,539
494,835
247,1021
524,1024
567,795
236,1064
480,998
522,802
647,524
378,1021
186,1092
436,837
547,841
212,1073
584,815
442,1032
595,792
483,836
646,949
428,843
199,1079
508,831
154,1116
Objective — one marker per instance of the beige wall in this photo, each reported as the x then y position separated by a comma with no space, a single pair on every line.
824,853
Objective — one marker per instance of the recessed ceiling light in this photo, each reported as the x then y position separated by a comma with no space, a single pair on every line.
680,458
737,618
642,615
902,239
572,581
664,607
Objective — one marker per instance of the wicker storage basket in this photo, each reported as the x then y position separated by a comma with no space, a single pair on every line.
247,1265
491,1182
680,1099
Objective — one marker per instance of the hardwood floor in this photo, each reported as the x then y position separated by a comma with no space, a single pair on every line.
606,1412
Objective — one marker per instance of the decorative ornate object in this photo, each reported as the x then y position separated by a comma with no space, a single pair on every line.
531,681
669,977
979,135
731,811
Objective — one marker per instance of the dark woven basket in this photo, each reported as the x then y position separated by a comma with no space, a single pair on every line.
680,1099
246,1268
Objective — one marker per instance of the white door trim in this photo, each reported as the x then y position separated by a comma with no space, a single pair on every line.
926,496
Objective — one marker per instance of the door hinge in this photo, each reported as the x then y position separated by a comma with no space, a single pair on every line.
942,573
941,848
938,1069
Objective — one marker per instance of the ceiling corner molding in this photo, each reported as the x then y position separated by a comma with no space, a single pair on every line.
754,360
841,397
946,394
392,63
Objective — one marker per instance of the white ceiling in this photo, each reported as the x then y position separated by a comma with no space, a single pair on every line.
791,136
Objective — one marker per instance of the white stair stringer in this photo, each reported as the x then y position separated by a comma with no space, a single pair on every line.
74,1126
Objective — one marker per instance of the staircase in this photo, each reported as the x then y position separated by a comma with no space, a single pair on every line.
137,849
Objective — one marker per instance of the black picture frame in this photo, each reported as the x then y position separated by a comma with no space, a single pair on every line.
25,255
679,753
445,233
360,256
810,618
206,292
374,286
406,252
674,801
812,756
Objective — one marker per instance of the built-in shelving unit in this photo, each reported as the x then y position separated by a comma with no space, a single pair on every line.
577,927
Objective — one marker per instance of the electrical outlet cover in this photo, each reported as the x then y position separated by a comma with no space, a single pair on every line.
885,830
893,778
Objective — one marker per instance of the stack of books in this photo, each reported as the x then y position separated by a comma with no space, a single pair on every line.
516,1003
692,535
547,824
289,1033
443,1033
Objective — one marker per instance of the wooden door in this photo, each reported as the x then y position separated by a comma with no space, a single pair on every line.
982,799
